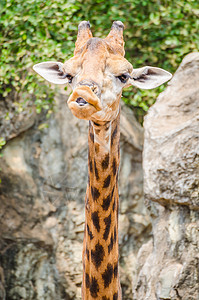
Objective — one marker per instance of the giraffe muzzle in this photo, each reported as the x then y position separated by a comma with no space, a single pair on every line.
83,102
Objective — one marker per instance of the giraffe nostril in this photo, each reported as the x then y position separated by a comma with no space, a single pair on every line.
94,89
92,85
81,101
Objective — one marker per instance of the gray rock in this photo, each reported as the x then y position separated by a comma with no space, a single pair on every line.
14,120
168,269
171,152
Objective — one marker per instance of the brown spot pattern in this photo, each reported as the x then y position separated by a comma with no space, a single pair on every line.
87,253
87,279
107,181
114,166
95,219
97,255
105,162
115,296
110,246
114,135
115,270
94,287
106,202
107,221
90,165
115,235
96,171
97,148
114,205
95,193
92,137
89,232
107,276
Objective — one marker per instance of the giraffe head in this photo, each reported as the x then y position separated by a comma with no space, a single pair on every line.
98,72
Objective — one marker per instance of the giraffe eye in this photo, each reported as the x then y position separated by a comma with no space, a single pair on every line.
124,77
69,76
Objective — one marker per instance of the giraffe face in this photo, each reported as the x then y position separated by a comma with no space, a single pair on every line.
98,72
97,79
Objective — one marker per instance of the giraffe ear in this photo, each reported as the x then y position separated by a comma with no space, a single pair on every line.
51,71
149,77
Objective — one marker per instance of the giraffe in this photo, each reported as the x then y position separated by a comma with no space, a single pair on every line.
97,73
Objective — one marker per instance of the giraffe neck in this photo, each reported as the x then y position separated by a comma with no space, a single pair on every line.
100,250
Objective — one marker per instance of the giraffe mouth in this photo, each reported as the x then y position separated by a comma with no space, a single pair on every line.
81,101
84,103
83,96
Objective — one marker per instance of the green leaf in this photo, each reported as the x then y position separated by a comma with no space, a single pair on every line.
2,142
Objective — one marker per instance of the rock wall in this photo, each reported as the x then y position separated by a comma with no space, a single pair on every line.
168,265
44,177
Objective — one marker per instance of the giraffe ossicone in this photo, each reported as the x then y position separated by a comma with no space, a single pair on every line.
97,73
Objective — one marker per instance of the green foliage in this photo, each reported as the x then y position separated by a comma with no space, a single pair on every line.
158,33
2,142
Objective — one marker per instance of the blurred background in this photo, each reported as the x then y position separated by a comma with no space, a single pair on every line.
43,158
